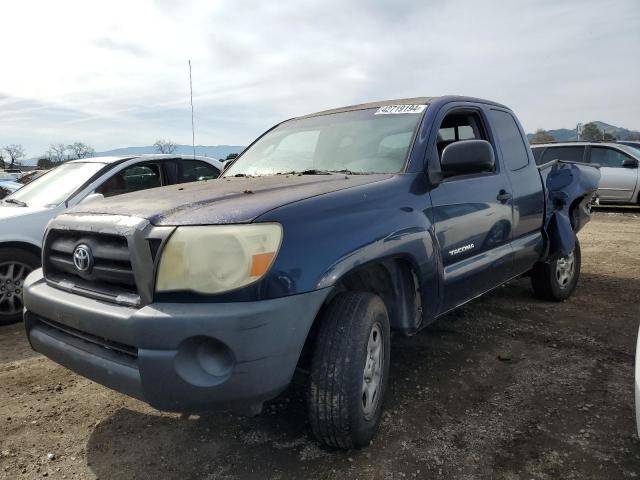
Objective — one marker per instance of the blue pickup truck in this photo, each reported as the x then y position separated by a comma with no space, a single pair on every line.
327,233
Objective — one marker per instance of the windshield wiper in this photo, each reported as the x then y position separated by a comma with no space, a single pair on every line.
20,203
311,171
350,172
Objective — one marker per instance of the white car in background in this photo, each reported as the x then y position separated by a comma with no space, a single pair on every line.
25,213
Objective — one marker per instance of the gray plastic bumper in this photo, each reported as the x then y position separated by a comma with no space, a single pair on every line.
174,356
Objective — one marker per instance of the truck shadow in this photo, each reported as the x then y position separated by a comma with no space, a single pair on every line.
464,362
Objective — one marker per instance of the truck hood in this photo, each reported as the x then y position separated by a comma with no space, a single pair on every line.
226,200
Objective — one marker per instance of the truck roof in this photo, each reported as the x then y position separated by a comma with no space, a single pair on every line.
403,101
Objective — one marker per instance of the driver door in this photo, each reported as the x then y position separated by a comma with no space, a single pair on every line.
472,217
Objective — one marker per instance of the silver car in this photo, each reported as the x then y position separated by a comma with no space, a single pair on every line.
619,182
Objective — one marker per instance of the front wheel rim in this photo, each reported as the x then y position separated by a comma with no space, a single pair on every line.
372,374
565,269
12,275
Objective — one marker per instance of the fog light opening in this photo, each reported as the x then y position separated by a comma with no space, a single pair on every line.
204,361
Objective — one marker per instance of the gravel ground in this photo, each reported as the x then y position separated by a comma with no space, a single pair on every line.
507,387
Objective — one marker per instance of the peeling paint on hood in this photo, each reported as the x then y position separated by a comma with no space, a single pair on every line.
226,200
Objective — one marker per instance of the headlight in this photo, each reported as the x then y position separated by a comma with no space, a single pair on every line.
217,258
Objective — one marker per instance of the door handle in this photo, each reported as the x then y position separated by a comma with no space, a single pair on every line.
503,196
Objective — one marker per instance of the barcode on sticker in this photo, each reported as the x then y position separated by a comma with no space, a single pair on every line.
394,109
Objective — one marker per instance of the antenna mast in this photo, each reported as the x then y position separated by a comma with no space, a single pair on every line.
193,131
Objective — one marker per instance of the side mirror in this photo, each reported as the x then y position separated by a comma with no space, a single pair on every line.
466,157
630,163
91,197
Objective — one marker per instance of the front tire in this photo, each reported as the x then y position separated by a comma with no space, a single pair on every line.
349,370
15,265
556,280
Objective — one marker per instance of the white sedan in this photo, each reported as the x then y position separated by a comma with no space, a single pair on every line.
25,213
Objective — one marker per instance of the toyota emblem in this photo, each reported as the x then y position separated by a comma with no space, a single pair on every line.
82,258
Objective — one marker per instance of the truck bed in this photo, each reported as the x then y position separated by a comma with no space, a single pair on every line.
569,189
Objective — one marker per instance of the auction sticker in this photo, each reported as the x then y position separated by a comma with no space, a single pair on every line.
395,109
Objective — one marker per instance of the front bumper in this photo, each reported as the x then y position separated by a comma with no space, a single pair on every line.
174,356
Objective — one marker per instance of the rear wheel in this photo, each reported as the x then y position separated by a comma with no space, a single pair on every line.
349,370
556,280
15,265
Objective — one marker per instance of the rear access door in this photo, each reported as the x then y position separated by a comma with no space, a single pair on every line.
472,216
526,187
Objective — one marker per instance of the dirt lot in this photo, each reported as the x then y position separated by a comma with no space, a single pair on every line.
508,387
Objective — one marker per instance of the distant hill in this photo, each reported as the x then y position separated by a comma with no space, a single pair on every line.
567,135
214,151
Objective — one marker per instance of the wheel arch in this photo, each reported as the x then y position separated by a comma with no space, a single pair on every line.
394,279
29,247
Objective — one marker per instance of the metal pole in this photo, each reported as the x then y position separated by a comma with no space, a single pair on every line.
193,130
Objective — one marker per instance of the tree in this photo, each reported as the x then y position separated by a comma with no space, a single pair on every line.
633,136
608,137
81,150
15,152
542,136
56,152
591,133
1,159
45,163
232,156
165,146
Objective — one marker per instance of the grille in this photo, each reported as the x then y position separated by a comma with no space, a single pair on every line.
111,275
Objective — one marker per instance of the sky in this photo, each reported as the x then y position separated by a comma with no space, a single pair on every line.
115,74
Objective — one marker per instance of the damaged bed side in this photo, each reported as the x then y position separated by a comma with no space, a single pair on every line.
570,189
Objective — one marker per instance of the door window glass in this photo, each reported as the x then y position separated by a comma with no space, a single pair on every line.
132,179
459,126
607,157
195,170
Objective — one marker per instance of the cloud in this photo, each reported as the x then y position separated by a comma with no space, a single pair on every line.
116,73
111,44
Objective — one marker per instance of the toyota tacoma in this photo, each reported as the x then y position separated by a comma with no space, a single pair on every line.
327,233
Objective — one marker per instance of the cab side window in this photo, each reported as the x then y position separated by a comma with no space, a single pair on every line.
510,140
132,179
459,126
195,170
607,157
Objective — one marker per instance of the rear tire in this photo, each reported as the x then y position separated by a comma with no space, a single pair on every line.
556,280
15,265
349,370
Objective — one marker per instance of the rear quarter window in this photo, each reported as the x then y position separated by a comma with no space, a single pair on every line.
510,139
